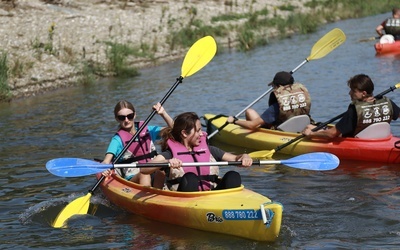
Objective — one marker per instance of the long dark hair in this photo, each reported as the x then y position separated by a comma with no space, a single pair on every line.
183,122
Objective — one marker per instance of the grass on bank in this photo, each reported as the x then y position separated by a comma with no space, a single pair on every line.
251,31
246,31
5,93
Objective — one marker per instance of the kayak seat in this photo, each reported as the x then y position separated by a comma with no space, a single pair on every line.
386,39
295,124
374,131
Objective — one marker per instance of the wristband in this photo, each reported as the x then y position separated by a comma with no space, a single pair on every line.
234,120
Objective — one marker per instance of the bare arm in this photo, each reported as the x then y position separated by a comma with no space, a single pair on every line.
150,170
163,113
246,160
107,160
330,133
173,163
253,124
379,30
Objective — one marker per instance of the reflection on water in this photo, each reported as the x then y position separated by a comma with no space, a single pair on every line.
321,209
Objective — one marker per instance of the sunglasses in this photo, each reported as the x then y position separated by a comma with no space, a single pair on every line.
123,117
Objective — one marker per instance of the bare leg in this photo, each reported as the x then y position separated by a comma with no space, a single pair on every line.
143,179
159,179
251,114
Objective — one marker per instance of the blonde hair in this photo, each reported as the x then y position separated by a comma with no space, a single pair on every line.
122,105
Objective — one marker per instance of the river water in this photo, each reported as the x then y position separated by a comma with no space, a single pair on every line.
355,206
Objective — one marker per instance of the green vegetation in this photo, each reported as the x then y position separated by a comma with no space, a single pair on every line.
251,28
87,75
245,31
45,47
118,55
5,93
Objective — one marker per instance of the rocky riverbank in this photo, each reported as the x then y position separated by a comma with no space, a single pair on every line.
46,42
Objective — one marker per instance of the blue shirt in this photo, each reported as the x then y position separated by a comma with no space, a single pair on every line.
116,146
270,116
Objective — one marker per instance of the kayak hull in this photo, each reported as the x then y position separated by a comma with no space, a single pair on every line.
387,48
375,150
235,211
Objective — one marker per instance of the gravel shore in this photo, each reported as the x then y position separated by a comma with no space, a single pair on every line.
77,30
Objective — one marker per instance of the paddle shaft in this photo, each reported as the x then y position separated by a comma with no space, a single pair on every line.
190,164
241,112
178,81
321,48
320,126
369,39
254,102
265,93
196,58
75,167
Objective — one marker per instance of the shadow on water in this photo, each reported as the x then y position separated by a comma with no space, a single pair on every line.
47,211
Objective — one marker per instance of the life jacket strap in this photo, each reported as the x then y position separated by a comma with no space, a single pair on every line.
141,157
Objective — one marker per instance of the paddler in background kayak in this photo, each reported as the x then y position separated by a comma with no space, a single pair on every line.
391,26
363,111
142,150
288,99
185,142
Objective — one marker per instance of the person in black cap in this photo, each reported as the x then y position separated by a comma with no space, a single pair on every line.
288,99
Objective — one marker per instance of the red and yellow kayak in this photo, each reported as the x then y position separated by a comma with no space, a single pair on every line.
387,48
375,150
237,211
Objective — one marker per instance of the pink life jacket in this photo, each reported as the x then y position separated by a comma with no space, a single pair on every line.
140,149
200,153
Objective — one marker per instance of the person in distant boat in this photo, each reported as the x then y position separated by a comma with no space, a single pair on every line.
288,99
186,142
142,149
391,26
363,111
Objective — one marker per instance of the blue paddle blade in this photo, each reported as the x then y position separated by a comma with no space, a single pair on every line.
76,167
320,161
72,167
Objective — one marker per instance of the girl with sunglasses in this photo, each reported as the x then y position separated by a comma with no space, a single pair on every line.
142,149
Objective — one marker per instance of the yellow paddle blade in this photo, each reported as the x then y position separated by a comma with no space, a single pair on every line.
78,206
264,154
327,43
201,53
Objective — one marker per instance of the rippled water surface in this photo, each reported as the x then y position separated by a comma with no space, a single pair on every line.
354,206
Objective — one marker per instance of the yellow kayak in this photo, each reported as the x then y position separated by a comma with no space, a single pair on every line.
237,211
383,149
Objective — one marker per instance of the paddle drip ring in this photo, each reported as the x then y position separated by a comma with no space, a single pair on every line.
396,145
208,124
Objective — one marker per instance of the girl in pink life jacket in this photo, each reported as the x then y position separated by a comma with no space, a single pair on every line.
185,142
142,149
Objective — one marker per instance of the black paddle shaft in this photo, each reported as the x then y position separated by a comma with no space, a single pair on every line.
178,81
379,96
